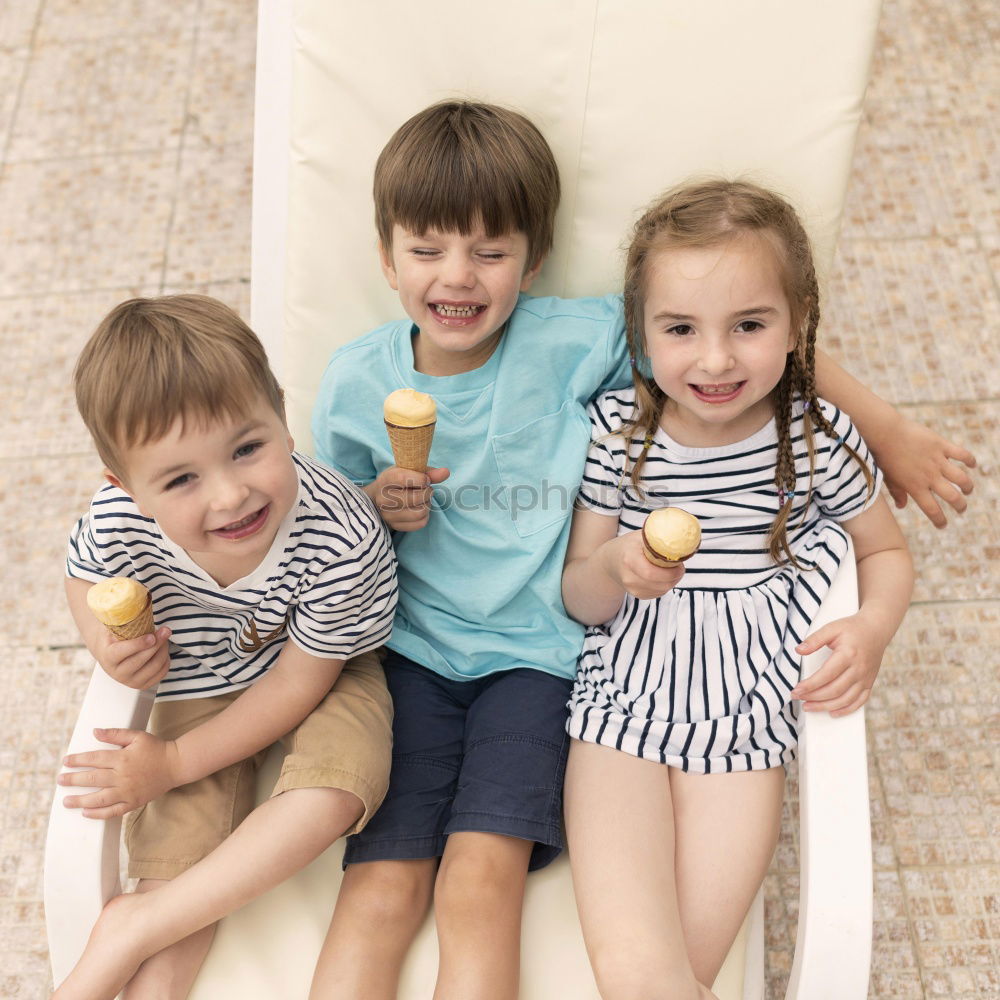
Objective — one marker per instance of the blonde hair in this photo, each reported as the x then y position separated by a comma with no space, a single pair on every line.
152,361
708,214
458,164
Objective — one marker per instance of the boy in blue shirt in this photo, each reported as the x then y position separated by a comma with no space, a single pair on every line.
482,653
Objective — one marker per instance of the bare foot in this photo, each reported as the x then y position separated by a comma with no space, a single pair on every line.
114,952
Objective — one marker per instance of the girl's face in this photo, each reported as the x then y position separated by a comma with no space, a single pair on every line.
717,330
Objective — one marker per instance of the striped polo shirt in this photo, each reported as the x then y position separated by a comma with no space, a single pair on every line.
328,582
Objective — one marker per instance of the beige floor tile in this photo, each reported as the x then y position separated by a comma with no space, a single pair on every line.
933,722
926,171
910,318
952,42
13,66
71,20
40,498
955,933
991,246
17,22
923,42
42,336
40,691
210,234
221,100
891,69
124,96
94,222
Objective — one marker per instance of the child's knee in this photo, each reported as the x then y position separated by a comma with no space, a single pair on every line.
475,885
627,975
390,892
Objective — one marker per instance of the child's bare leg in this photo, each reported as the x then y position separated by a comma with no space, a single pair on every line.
380,908
170,974
620,826
478,898
726,828
276,840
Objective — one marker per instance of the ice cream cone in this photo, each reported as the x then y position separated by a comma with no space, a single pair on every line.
669,536
411,446
410,417
123,606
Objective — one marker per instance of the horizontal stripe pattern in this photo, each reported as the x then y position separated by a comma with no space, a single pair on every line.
700,678
332,587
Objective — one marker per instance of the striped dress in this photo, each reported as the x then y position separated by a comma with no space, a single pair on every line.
328,582
700,678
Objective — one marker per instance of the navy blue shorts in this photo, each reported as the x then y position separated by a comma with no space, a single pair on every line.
484,755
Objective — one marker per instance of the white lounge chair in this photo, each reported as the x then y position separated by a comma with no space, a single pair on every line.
633,96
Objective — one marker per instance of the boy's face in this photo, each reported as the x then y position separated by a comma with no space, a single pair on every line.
458,290
219,490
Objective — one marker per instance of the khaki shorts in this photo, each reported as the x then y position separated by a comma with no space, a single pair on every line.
344,743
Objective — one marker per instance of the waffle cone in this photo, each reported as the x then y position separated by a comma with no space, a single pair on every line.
141,625
655,558
411,446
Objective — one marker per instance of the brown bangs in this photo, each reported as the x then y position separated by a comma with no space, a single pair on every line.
460,165
153,361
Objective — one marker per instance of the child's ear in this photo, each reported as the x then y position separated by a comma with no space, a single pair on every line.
115,481
120,484
385,259
529,276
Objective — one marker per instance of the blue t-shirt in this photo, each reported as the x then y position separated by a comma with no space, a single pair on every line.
480,585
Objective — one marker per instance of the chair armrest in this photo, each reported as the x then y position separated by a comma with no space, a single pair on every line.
833,945
82,855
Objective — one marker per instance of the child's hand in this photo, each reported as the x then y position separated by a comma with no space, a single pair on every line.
403,497
845,681
137,663
627,566
920,463
139,772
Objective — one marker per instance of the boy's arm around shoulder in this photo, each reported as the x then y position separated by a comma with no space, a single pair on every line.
885,583
915,460
145,766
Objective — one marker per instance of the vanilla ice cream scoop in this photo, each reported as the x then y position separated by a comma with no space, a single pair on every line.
409,408
410,417
670,535
123,605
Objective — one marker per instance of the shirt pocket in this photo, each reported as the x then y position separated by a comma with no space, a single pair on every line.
540,467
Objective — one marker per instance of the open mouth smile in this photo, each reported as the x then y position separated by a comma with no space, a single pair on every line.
458,314
245,527
719,393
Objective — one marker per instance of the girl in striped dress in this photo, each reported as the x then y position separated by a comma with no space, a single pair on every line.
696,666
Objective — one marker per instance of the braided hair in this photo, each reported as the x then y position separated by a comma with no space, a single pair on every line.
708,214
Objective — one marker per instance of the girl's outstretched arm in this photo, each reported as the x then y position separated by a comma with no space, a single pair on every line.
915,460
885,583
601,566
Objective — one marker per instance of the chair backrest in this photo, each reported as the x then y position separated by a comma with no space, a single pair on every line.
633,96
